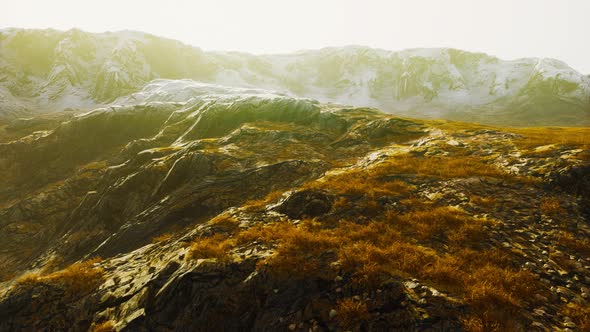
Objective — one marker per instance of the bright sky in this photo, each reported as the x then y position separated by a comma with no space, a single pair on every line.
505,28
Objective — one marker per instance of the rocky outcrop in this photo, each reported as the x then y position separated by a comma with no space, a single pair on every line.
307,203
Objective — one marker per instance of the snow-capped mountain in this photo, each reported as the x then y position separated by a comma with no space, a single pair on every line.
48,70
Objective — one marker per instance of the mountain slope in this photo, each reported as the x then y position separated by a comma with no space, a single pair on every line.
51,70
251,210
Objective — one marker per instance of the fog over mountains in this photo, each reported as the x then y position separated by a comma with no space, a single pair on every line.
49,70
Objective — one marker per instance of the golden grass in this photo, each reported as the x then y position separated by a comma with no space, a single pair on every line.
266,233
78,278
341,204
225,221
162,238
580,314
108,326
568,240
441,245
216,246
361,182
365,262
496,296
260,204
442,223
380,180
351,312
369,252
534,137
457,125
224,165
468,234
299,250
442,167
482,201
551,206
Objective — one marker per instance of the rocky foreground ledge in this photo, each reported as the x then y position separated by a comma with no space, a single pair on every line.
264,212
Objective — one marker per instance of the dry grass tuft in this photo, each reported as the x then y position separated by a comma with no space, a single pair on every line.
361,183
442,223
482,201
568,240
341,204
580,314
217,246
351,312
534,137
301,251
442,167
225,222
469,234
162,238
495,296
224,164
260,204
108,326
551,206
78,278
365,262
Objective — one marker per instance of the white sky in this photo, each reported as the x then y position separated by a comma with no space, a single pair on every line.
505,28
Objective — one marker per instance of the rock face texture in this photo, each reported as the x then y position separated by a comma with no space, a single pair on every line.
244,210
48,70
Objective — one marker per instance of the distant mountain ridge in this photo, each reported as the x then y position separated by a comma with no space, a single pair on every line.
49,70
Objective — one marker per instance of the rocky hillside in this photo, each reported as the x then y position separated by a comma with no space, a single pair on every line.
48,70
247,210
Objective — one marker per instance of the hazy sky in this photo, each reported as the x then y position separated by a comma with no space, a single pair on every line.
505,28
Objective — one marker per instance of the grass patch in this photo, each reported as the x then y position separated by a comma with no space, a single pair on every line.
580,314
551,206
162,238
260,204
225,222
569,241
351,312
361,182
482,201
368,253
441,167
79,278
108,326
217,246
578,138
440,223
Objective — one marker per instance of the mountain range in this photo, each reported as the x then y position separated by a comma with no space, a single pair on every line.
49,70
